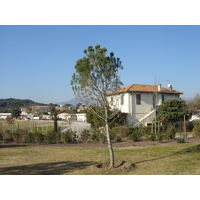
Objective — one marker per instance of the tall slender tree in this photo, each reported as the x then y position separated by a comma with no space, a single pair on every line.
97,75
55,122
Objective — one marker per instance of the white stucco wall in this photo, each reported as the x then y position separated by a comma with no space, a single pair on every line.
115,102
81,117
137,112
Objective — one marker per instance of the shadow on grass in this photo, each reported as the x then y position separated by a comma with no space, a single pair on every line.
54,168
194,149
154,159
12,145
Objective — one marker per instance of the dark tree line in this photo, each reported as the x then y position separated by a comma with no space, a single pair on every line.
6,105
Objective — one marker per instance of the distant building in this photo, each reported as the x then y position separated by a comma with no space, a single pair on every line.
81,117
41,109
72,117
4,115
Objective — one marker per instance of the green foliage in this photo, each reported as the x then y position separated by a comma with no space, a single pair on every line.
50,137
85,135
172,111
160,137
136,133
152,137
29,137
15,112
16,136
97,68
96,121
93,137
180,140
121,131
67,136
6,105
102,138
134,136
189,126
93,118
37,136
96,75
1,135
170,132
118,139
7,136
196,129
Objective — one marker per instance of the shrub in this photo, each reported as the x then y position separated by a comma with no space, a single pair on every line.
57,137
67,136
50,137
85,135
152,137
170,132
135,133
145,130
93,137
23,134
37,136
196,129
146,137
189,126
101,138
180,140
121,131
29,137
118,139
135,136
16,136
7,136
160,137
113,134
1,135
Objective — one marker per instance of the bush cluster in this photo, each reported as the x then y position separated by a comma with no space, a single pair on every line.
37,136
93,135
196,129
118,134
143,133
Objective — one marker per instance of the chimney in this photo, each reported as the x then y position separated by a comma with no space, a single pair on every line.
159,88
170,87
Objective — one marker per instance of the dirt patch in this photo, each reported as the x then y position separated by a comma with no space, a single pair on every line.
123,166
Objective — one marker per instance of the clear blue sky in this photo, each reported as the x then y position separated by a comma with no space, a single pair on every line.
37,62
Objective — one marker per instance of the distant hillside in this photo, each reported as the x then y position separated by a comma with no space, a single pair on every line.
7,104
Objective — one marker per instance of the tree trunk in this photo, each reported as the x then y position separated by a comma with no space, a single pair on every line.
109,140
55,122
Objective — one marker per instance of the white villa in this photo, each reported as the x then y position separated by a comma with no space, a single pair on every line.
140,101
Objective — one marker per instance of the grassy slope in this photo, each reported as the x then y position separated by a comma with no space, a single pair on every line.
175,159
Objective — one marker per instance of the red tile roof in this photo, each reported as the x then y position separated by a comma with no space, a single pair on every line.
144,88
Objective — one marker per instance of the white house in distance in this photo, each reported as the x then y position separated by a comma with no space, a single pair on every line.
4,115
81,117
140,101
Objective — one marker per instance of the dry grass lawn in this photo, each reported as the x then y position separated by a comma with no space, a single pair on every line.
149,160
